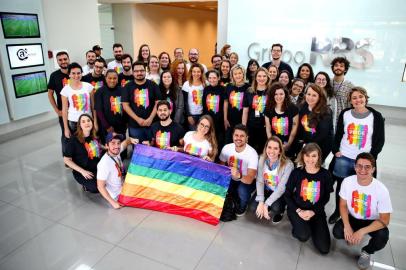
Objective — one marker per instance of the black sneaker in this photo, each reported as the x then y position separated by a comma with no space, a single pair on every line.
277,219
333,218
239,212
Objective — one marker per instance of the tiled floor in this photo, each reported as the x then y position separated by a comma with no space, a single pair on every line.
47,222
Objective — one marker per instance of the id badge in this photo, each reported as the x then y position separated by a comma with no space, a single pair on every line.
257,113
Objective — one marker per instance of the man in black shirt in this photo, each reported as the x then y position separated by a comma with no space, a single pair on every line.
96,77
165,133
57,81
127,75
276,52
139,98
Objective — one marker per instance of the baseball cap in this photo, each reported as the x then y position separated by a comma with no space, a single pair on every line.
111,136
96,47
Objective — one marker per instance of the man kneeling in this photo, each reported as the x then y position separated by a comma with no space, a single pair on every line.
110,169
365,208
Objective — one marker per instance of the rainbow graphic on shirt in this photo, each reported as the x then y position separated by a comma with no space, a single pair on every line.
361,203
93,149
213,103
258,103
81,102
65,81
271,180
310,191
193,150
236,100
170,103
235,162
97,85
197,96
357,135
124,82
305,123
280,125
141,97
118,69
115,105
163,139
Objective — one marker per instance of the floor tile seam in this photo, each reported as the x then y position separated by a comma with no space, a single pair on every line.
33,213
149,258
4,258
102,257
298,256
208,247
393,257
135,227
259,231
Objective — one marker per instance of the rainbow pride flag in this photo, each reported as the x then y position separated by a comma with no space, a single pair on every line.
176,183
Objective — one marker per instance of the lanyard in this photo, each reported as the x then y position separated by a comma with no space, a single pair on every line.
119,166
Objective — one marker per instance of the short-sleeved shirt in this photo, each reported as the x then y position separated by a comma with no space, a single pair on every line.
166,136
79,100
194,98
365,202
96,82
109,171
124,79
85,155
108,101
141,99
57,81
281,124
256,104
235,97
117,66
213,104
242,161
194,147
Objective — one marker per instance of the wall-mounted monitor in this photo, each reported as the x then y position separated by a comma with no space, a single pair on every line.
19,25
28,84
25,55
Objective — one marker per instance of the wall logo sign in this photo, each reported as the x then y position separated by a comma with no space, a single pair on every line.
22,54
324,49
25,55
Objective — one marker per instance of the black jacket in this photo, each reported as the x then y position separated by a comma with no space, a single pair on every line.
378,136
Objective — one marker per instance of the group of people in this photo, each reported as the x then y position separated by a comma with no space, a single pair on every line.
273,129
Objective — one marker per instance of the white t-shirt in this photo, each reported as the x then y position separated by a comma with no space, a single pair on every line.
116,66
86,70
196,148
365,202
195,98
247,159
153,77
79,100
109,171
357,136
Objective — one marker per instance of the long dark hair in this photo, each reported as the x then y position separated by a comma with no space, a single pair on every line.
311,76
249,75
173,93
79,131
271,103
328,87
139,57
321,108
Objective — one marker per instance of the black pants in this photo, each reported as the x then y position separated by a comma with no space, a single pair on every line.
278,206
378,239
339,181
316,227
89,184
64,140
257,138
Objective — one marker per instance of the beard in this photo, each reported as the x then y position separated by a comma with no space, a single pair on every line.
117,57
338,72
127,68
163,117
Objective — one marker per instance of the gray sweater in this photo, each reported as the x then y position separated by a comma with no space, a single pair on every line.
280,188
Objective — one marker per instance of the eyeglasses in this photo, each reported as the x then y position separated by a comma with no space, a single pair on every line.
365,167
204,126
139,71
321,80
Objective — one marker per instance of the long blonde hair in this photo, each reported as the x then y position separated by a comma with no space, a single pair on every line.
254,86
283,160
211,135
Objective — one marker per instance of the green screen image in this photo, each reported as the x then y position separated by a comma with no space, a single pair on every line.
20,25
30,84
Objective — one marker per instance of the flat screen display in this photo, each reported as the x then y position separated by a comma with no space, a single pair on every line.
28,84
20,25
25,55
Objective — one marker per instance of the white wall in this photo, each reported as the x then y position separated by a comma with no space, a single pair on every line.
293,23
72,25
123,27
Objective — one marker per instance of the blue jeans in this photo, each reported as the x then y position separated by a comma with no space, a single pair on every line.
241,192
344,167
141,133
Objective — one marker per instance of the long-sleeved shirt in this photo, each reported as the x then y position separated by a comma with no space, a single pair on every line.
280,182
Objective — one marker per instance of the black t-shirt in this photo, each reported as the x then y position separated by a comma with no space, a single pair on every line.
56,82
108,101
256,103
213,102
235,97
282,66
85,155
124,79
224,81
96,82
172,101
168,136
281,124
308,191
141,99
